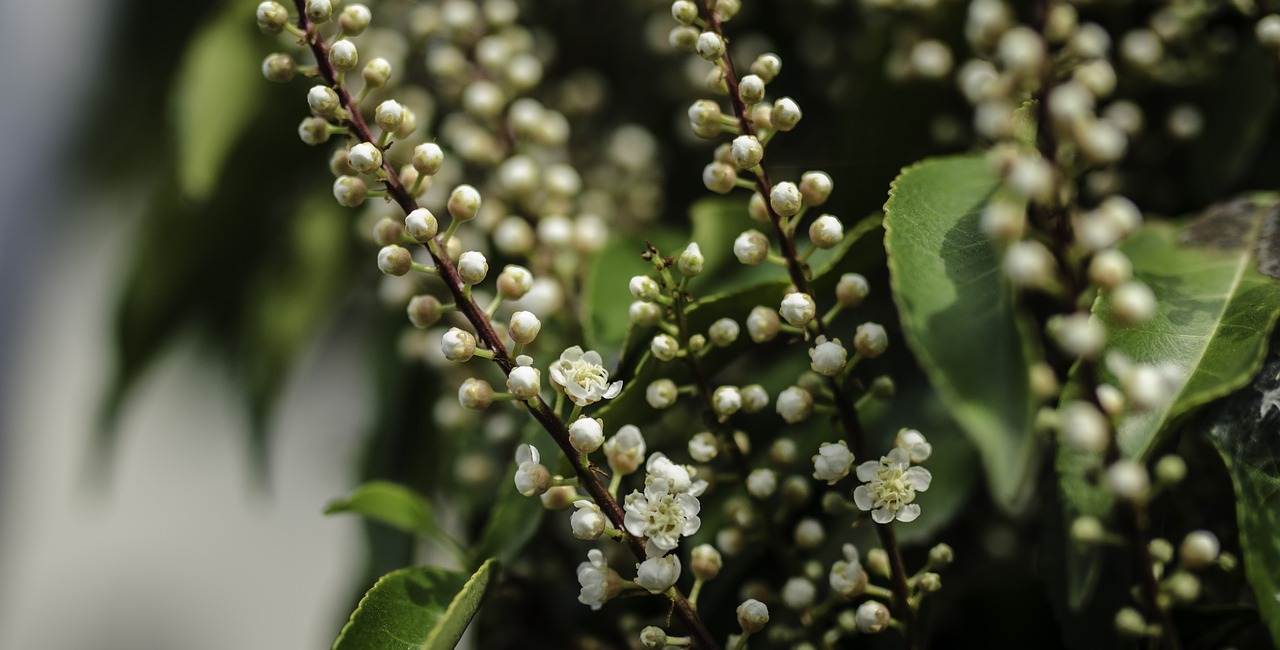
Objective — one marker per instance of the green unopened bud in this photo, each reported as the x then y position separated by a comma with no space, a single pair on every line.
278,67
941,556
691,260
1130,622
350,191
314,131
878,562
424,311
387,231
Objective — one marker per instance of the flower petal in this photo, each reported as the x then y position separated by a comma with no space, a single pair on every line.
909,512
920,478
862,497
868,470
882,515
592,357
614,389
899,456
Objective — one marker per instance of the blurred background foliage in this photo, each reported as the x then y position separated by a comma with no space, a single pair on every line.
240,246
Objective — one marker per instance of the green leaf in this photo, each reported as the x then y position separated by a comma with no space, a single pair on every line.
514,520
217,93
606,299
1215,310
1246,429
418,608
1239,107
392,504
959,315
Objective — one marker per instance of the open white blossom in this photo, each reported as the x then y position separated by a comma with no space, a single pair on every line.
658,574
662,474
832,462
599,582
891,486
583,377
667,509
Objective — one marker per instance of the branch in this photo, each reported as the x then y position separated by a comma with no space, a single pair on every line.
484,329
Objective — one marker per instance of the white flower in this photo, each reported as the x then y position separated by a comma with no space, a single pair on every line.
532,477
751,247
657,574
664,347
891,486
662,516
786,114
833,460
587,521
643,287
795,404
703,447
586,434
746,151
421,225
661,393
917,446
365,158
827,357
525,381
524,326
798,309
847,577
599,583
625,450
664,475
458,345
826,231
816,187
872,617
582,377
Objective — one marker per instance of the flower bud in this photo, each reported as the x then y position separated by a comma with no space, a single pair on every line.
786,114
751,247
747,151
767,66
473,267
1132,303
1077,334
421,225
941,556
523,327
387,232
1171,469
815,187
272,17
354,19
703,447
684,38
323,100
532,477
761,483
664,347
684,11
1087,530
852,289
1199,549
724,332
625,450
464,203
1084,428
319,11
644,287
798,594
645,314
1128,480
389,115
795,404
752,615
704,118
763,324
343,55
832,461
757,209
458,345
691,260
654,637
1267,31
751,90
1110,268
514,282
710,46
826,231
798,309
754,397
658,574
475,394
559,497
376,72
1130,623
1028,264
661,394
314,131
705,562
365,158
394,260
785,198
726,400
872,617
587,521
278,67
525,381
424,311
871,340
719,177
827,358
427,158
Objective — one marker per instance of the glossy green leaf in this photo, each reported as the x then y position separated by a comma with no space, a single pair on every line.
392,504
959,315
606,298
1215,311
1246,429
215,98
418,608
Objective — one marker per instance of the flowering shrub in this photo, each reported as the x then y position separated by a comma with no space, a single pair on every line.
1015,366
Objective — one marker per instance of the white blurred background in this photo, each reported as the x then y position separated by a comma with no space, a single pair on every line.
178,550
